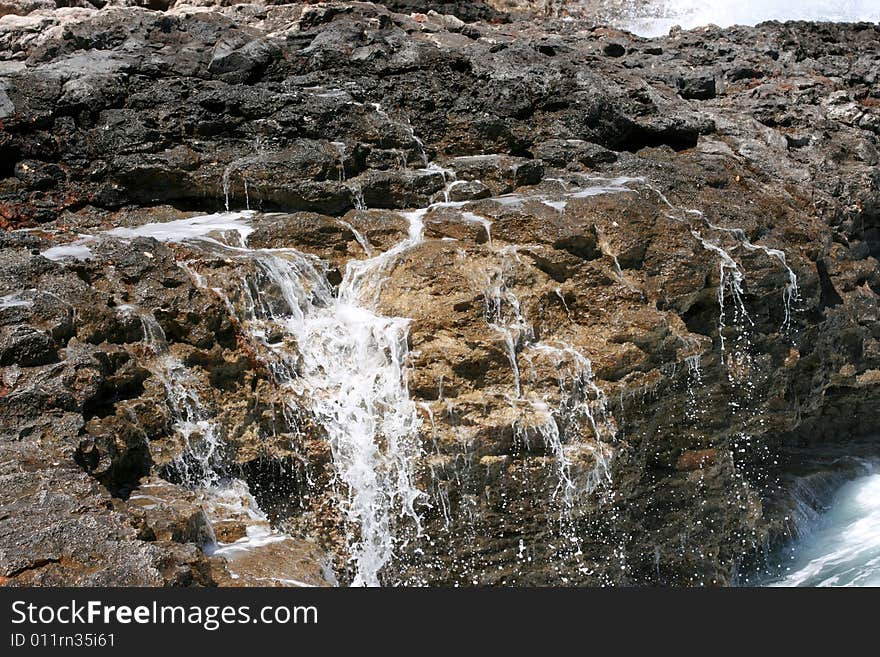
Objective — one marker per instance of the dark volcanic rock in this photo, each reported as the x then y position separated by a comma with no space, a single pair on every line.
466,10
562,152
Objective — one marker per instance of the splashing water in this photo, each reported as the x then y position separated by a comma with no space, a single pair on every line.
655,17
345,361
730,283
843,549
349,365
694,410
357,197
731,275
15,300
363,279
180,230
581,401
190,417
734,328
503,314
352,367
791,293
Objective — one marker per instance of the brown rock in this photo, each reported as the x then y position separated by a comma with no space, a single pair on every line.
696,459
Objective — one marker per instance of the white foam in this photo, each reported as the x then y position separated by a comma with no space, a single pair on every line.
180,230
844,549
660,15
14,300
78,250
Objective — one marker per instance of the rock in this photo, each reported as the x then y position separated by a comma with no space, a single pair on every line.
62,530
170,514
25,346
116,452
232,61
696,459
229,531
561,307
697,85
454,224
464,10
24,7
502,174
468,190
283,563
324,236
564,152
399,189
380,229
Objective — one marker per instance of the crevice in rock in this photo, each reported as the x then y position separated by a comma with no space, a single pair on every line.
9,157
639,138
829,296
702,317
279,485
36,565
125,382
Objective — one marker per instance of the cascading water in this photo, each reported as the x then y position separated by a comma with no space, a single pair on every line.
573,427
238,166
503,314
791,293
406,126
735,325
348,363
191,419
582,405
838,533
335,358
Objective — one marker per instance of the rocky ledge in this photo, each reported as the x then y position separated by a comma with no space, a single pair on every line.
648,275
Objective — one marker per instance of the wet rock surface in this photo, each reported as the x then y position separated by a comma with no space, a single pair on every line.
605,350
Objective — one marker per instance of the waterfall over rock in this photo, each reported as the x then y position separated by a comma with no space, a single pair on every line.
331,294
